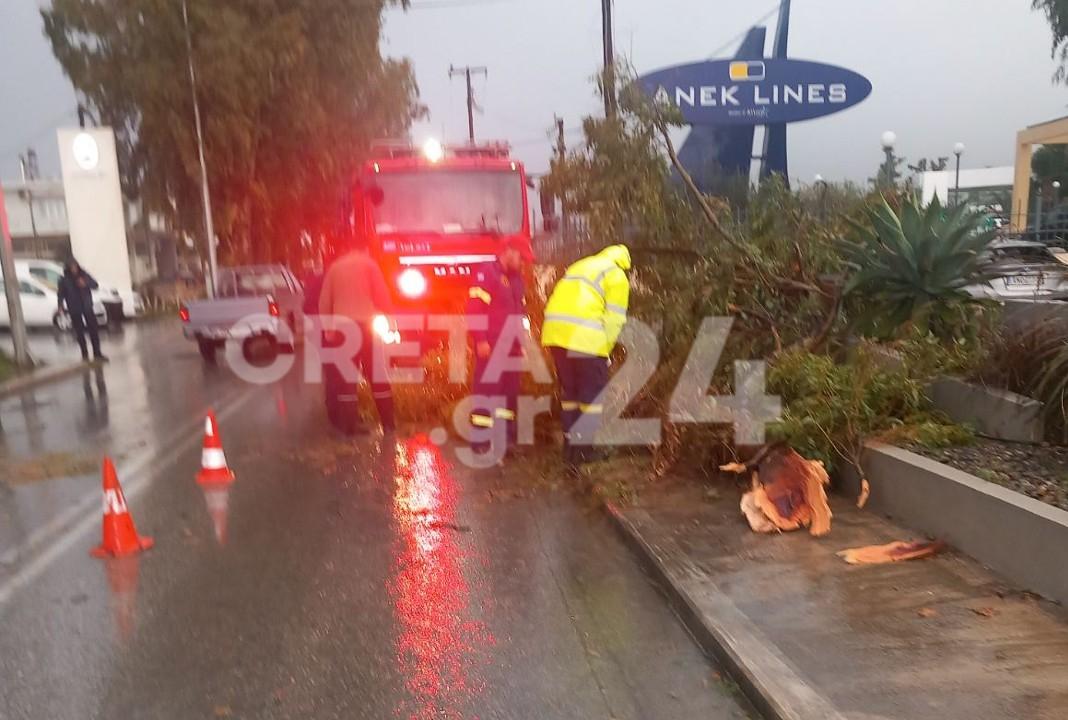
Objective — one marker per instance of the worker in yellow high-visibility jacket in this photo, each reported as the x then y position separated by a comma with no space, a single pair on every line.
583,319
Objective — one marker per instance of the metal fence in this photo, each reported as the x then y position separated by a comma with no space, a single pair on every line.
568,243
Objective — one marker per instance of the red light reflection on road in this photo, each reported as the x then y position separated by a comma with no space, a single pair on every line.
439,651
123,578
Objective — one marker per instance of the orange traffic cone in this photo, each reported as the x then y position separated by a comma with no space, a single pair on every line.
213,469
120,535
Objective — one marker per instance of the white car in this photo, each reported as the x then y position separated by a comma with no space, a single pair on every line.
40,306
1024,270
49,272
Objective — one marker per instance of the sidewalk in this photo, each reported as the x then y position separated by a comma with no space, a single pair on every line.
808,636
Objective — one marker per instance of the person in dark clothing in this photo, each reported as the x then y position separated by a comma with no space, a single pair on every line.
75,293
497,295
355,290
342,398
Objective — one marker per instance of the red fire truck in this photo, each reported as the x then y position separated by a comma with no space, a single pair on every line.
435,214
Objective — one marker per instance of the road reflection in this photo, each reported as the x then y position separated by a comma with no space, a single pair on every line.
124,575
217,500
440,648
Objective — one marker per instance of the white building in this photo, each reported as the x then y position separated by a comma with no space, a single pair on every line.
40,228
985,189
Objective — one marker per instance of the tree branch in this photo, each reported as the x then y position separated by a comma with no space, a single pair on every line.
816,342
702,201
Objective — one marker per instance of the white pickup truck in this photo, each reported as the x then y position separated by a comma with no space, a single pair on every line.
258,305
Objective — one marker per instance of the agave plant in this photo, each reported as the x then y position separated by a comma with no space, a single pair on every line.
912,267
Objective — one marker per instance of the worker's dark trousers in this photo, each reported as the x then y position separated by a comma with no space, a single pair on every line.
85,321
342,400
371,361
499,414
582,379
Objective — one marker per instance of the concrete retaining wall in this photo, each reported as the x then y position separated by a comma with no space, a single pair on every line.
1023,539
994,413
1019,316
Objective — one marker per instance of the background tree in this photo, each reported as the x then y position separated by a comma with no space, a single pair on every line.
1050,163
929,165
889,173
292,92
1057,13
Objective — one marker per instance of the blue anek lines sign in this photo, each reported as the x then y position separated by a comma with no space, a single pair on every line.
756,92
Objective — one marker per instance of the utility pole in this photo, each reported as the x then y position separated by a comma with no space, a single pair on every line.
467,71
609,60
209,225
11,290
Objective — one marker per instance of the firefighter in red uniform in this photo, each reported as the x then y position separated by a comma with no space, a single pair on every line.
496,311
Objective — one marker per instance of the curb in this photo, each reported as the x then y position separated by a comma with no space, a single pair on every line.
722,631
41,377
1005,530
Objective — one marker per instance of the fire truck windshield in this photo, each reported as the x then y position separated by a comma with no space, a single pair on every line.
450,202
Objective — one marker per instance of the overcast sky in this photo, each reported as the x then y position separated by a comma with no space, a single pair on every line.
943,71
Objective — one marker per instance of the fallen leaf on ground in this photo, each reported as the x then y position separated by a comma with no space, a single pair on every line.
49,466
223,711
790,493
736,468
326,455
442,525
891,552
927,612
986,612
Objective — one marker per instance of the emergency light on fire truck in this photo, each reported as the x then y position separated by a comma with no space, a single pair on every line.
434,151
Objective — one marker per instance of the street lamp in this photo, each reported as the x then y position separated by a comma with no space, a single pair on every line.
958,150
822,197
889,139
1053,201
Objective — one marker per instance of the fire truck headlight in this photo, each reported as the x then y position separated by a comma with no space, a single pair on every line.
384,330
412,283
380,326
433,150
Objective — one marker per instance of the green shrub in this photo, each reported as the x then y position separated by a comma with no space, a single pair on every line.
831,409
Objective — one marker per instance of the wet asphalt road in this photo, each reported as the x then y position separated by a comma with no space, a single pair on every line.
376,579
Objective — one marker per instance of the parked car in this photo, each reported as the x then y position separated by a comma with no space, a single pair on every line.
256,304
49,272
40,306
1025,270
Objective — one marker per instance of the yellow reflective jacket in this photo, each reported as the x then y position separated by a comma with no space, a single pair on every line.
588,307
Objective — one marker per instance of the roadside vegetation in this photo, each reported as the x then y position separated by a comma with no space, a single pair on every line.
293,94
7,368
855,298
